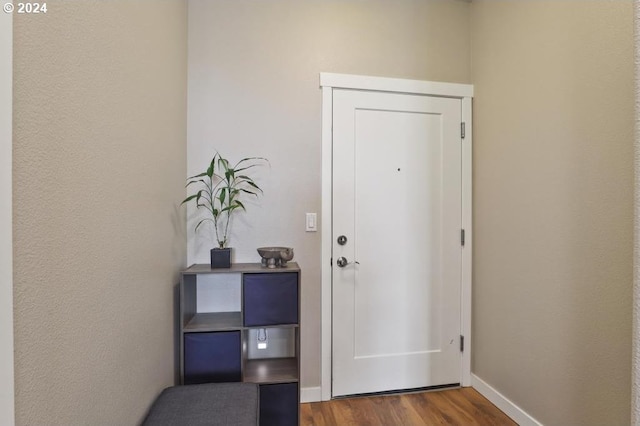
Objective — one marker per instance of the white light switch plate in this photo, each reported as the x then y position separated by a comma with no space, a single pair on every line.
312,222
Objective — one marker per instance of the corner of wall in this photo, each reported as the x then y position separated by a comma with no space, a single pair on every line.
7,409
635,383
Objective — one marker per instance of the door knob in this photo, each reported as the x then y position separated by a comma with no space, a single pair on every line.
342,262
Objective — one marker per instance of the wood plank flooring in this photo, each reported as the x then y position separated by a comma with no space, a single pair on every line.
463,406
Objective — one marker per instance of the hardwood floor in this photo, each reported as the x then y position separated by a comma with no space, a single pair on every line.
447,407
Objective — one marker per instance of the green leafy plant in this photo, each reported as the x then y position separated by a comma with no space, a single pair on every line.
222,186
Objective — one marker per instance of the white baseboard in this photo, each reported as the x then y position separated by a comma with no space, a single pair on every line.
310,394
509,408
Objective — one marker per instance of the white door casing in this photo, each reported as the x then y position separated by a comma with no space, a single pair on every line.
381,340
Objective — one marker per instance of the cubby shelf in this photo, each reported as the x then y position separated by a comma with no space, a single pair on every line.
222,313
271,370
214,321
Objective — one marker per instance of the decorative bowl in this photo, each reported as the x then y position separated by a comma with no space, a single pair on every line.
273,257
271,252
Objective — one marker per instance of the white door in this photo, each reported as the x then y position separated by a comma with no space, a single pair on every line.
397,201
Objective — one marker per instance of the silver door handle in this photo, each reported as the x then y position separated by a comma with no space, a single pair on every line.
342,262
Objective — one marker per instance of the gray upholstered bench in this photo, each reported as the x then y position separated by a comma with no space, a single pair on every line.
210,404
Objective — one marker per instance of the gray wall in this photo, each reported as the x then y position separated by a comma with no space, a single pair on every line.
635,380
553,193
254,91
99,163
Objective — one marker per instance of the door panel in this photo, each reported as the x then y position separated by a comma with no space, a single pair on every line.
397,198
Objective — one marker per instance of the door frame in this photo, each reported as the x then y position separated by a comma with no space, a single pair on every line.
464,92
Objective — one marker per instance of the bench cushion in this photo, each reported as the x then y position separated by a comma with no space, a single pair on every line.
210,404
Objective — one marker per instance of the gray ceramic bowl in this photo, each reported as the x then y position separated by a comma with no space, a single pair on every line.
271,252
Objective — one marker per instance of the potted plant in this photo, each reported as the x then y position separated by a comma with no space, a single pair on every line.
221,188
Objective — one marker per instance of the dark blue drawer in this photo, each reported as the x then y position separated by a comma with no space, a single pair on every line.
212,357
279,404
270,299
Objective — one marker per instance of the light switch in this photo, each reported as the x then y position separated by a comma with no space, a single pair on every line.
312,222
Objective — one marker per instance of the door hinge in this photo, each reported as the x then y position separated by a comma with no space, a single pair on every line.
461,343
462,237
462,130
